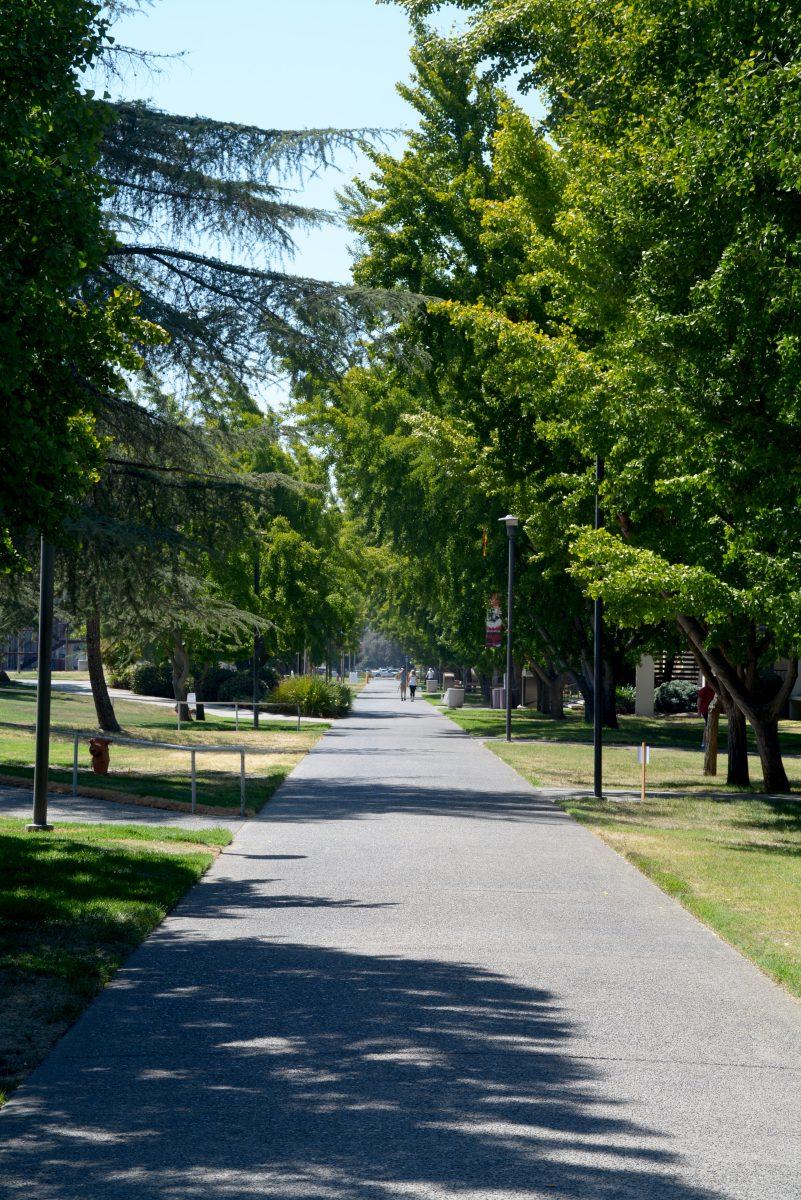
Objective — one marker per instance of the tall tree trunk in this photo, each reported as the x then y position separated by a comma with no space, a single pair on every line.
486,687
556,706
737,774
711,745
180,674
774,775
106,717
543,695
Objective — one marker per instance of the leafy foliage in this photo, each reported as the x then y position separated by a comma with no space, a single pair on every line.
61,345
316,696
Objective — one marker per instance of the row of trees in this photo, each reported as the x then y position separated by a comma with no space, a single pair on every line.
620,282
187,523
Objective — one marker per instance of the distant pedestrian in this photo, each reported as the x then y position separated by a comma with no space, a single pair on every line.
412,683
403,679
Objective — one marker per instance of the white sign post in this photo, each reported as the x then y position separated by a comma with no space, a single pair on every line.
643,757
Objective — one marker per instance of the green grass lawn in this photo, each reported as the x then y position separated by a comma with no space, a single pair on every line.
58,676
139,771
73,904
733,862
549,764
683,731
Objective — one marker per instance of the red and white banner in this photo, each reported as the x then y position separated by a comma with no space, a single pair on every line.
494,627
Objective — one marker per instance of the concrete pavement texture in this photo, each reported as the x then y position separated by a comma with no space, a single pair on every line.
413,976
18,802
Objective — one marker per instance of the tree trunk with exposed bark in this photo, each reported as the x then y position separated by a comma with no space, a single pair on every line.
106,717
180,674
711,742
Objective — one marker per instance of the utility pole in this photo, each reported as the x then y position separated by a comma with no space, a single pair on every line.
42,760
598,664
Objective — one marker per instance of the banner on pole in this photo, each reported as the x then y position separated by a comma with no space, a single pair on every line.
494,626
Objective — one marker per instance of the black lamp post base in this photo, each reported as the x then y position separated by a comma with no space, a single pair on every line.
39,828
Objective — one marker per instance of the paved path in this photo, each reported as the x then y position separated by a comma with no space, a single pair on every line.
412,976
18,802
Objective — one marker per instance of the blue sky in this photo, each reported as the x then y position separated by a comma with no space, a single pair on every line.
281,64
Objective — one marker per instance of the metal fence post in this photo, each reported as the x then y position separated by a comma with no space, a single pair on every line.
194,782
236,712
74,765
241,783
298,718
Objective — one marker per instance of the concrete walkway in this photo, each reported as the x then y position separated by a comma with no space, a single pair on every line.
412,976
18,802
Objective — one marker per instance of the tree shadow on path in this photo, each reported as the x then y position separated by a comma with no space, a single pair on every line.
235,1068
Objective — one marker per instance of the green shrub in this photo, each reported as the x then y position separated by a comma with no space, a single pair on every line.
316,697
121,677
676,696
625,697
239,686
210,681
148,679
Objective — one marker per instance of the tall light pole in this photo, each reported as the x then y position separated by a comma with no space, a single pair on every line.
511,524
42,760
256,643
598,664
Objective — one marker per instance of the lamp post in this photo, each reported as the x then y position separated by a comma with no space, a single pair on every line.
598,664
511,524
43,685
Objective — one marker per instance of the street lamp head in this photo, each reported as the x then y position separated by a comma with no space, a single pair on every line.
510,522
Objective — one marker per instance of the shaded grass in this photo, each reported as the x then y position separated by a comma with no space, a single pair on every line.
73,904
141,771
735,863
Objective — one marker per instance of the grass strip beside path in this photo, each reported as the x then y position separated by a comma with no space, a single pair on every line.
678,732
734,863
73,904
275,748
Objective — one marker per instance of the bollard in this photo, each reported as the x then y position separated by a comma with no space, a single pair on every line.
241,783
194,782
74,766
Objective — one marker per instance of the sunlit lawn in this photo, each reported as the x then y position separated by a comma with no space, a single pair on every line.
73,904
140,771
734,862
548,764
677,731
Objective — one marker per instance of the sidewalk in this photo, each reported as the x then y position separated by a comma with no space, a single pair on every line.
414,976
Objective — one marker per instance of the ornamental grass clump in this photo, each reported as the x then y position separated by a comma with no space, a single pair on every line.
317,697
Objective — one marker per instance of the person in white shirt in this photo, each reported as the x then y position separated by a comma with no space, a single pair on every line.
412,683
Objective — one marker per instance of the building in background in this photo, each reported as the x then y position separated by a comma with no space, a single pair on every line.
20,651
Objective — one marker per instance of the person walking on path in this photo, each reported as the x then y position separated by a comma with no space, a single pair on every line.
412,683
402,681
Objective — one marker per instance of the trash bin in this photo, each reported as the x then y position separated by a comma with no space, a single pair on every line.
454,697
98,748
499,697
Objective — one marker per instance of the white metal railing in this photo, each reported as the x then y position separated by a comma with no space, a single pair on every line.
77,737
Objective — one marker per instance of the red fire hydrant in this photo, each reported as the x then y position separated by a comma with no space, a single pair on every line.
98,748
